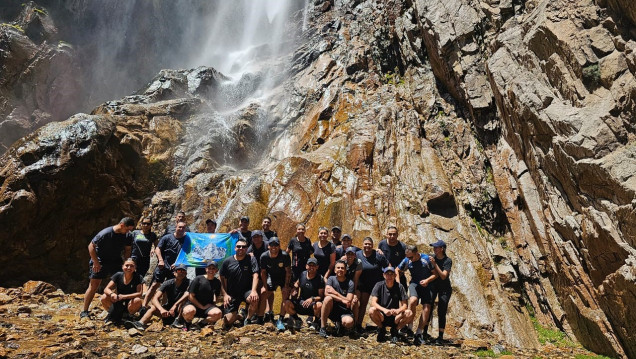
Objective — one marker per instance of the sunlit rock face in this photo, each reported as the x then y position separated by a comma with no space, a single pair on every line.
505,130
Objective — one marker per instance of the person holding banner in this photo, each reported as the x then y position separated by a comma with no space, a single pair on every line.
204,290
239,283
275,272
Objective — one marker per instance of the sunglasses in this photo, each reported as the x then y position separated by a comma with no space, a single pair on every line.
145,224
241,247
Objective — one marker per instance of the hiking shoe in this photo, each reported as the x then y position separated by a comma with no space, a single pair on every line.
177,323
323,332
395,337
279,325
338,326
136,324
408,332
381,335
309,320
418,340
298,323
315,325
269,317
440,342
85,314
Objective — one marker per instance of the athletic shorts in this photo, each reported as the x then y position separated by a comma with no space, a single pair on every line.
274,283
423,294
160,275
298,307
338,311
201,313
389,321
107,271
236,301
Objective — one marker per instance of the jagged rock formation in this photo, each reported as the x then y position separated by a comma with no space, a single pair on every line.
509,133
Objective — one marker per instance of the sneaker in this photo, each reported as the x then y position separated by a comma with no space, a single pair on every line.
279,325
136,324
309,320
85,314
226,327
408,332
440,342
298,323
177,323
395,337
315,325
418,340
353,333
269,317
381,334
323,332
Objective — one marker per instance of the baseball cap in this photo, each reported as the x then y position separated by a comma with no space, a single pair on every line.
180,266
350,250
211,263
439,243
312,261
210,220
257,232
274,240
346,235
245,218
336,228
389,269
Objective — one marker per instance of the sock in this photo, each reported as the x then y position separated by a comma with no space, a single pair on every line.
425,331
419,331
295,316
410,326
441,335
281,317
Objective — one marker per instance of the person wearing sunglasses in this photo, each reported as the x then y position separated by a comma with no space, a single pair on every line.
239,283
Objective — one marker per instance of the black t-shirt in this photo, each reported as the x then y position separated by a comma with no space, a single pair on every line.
352,269
444,264
258,252
420,269
170,246
130,288
142,245
238,274
205,290
310,287
109,245
340,252
247,236
270,234
172,292
323,255
394,254
275,267
301,251
372,268
345,287
389,298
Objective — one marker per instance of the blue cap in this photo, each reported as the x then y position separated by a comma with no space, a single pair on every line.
181,266
389,269
439,243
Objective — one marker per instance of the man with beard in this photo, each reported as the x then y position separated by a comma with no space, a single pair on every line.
203,292
338,302
388,306
239,283
306,296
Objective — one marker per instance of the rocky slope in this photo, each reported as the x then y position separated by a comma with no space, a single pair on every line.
505,128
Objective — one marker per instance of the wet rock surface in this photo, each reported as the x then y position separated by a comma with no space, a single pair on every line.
508,134
53,329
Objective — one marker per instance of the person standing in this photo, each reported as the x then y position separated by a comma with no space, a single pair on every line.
347,243
123,293
373,264
325,253
180,217
258,246
336,232
210,227
421,269
338,302
243,230
267,229
393,249
300,249
441,286
239,283
143,241
203,293
105,251
275,268
388,306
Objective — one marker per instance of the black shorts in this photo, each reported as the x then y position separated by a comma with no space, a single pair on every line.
338,311
167,320
108,269
274,283
236,301
201,313
298,307
160,275
389,320
143,264
366,287
423,294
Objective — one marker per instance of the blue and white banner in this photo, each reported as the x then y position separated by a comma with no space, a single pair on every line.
199,248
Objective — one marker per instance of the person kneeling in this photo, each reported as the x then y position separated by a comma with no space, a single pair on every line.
388,306
203,292
123,293
175,291
338,302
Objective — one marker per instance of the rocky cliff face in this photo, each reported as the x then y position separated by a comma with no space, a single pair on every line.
505,128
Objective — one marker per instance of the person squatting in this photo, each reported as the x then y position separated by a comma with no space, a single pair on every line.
329,280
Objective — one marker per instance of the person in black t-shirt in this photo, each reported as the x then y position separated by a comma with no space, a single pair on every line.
180,217
325,253
339,301
122,293
258,246
393,249
306,296
239,283
143,241
388,306
267,229
105,252
300,249
372,265
203,292
175,293
354,271
336,232
441,287
275,272
341,250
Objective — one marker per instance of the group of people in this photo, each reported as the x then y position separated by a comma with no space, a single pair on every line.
330,279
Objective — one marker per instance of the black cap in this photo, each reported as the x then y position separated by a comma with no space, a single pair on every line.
257,232
245,218
180,266
350,250
274,240
439,243
211,263
312,261
210,220
346,235
388,269
336,228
